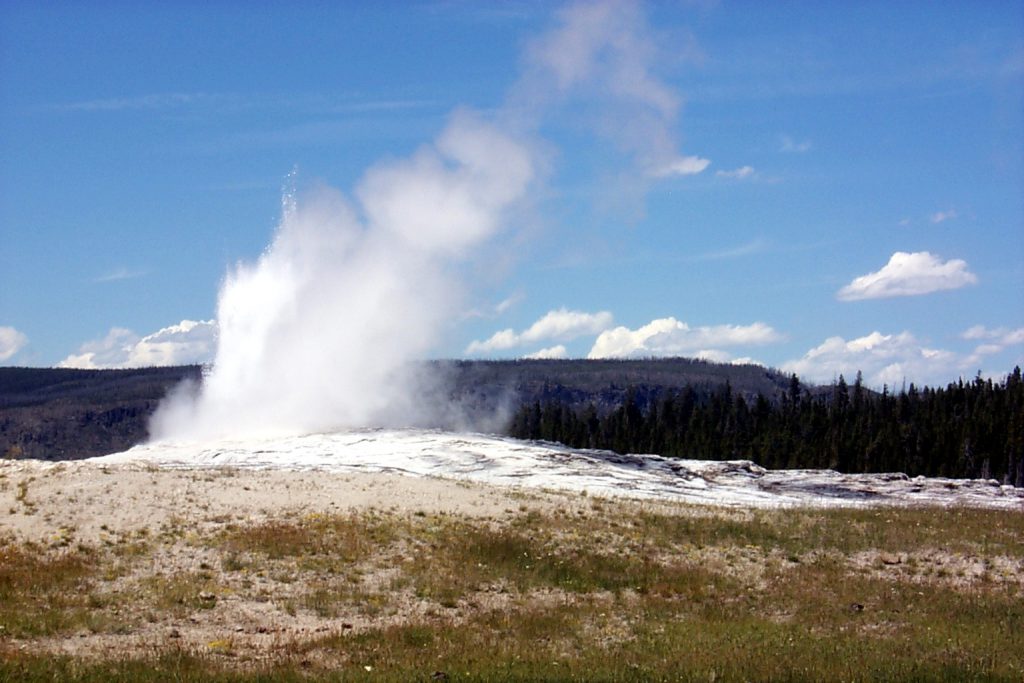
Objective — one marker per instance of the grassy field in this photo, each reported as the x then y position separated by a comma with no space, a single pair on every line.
599,590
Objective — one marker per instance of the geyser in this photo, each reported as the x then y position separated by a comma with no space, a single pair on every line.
320,332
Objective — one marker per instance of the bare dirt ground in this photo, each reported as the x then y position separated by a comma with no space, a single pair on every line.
218,562
38,499
168,515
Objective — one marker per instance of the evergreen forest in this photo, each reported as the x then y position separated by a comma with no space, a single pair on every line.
965,430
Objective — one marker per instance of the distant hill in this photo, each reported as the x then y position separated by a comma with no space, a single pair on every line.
63,414
482,385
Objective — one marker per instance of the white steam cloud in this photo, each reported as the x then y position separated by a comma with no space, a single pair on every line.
605,55
321,333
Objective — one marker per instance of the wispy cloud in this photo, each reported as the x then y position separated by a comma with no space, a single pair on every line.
909,275
789,145
752,247
136,102
1000,335
690,165
382,105
741,173
495,310
943,216
118,274
309,102
608,50
508,302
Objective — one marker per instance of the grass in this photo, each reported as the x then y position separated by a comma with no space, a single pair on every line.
611,592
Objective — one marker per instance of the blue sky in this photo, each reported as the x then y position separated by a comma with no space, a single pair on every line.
819,187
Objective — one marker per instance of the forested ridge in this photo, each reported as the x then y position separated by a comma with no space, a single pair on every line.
674,407
965,430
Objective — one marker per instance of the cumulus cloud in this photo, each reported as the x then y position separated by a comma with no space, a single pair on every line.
670,337
558,325
942,216
909,274
991,342
186,343
558,351
740,173
884,359
11,341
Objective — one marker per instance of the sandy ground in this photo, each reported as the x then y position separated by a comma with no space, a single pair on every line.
38,499
61,506
56,505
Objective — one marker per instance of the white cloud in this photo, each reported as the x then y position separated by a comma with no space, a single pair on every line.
566,325
607,51
11,341
152,101
681,166
185,343
609,40
909,275
559,325
670,337
754,246
887,359
504,339
121,273
495,310
507,303
558,351
791,145
999,335
941,216
896,358
738,174
993,341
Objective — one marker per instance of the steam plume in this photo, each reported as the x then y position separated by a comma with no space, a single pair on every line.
319,333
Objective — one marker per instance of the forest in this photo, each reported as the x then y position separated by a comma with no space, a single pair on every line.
965,430
673,407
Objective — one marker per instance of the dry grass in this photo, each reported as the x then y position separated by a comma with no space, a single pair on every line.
606,591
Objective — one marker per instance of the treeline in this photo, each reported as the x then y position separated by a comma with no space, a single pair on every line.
966,430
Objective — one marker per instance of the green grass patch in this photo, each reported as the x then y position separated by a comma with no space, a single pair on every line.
610,593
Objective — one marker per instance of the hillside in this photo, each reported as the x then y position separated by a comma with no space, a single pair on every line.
63,414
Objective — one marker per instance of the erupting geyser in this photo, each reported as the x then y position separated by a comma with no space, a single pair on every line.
320,333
